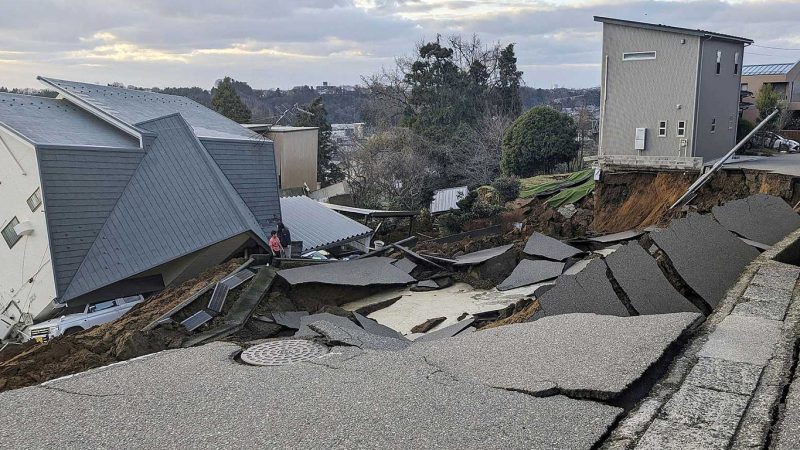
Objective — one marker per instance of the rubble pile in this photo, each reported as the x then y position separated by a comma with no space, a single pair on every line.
115,341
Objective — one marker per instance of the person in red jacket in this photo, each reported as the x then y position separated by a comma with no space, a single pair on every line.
275,244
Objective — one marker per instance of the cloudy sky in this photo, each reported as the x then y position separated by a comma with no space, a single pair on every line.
284,43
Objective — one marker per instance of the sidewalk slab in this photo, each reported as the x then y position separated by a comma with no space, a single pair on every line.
722,375
743,339
716,411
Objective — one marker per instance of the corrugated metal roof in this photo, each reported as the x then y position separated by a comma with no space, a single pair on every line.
767,69
369,212
58,122
133,106
317,226
447,199
160,216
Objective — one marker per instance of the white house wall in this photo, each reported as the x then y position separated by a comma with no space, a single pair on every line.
29,259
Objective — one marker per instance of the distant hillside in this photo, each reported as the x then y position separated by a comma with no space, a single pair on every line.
267,105
29,91
566,97
343,105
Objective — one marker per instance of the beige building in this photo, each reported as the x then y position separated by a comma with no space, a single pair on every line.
668,93
295,154
784,78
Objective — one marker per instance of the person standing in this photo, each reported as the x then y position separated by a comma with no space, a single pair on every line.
275,244
286,240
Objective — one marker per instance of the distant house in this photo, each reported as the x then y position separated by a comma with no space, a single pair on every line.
109,192
785,81
296,150
668,92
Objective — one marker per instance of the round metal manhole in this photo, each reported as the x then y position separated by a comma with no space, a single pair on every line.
280,353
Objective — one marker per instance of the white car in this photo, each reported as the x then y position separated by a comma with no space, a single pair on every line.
94,314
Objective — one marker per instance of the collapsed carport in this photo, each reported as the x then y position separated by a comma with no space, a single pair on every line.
321,228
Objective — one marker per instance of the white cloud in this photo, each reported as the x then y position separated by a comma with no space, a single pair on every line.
295,42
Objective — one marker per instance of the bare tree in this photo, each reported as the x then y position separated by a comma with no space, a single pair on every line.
391,169
479,149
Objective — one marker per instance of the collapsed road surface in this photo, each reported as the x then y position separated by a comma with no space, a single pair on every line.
560,383
615,353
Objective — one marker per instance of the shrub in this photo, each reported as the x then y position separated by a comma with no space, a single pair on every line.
744,128
507,187
451,223
538,141
465,204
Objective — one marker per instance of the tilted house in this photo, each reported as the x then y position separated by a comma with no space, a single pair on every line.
108,192
668,94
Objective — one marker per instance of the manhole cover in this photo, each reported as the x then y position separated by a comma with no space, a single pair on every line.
280,353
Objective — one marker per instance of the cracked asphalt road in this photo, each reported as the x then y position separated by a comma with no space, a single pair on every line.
351,398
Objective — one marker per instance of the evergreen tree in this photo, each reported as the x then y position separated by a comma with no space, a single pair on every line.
226,101
539,140
442,94
327,171
508,83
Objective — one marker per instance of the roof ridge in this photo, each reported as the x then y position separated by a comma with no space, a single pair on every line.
104,86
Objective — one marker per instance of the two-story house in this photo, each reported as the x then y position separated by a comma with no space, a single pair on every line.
668,93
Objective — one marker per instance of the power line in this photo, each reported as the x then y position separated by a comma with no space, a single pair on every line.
759,54
777,48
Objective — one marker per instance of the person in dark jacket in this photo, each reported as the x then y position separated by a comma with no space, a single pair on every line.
286,240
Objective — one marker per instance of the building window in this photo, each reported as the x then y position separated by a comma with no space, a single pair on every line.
745,87
35,200
714,124
681,128
736,63
719,61
662,128
635,56
9,234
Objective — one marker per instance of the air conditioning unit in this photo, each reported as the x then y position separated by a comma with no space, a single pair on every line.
23,228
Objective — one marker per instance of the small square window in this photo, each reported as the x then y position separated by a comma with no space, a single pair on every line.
681,131
35,200
9,234
662,128
714,124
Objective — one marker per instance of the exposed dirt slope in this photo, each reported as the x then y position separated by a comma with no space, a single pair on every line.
627,200
108,343
636,199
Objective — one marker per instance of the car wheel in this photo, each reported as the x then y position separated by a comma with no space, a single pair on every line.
73,330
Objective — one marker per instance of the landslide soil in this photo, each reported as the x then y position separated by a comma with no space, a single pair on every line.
34,363
627,200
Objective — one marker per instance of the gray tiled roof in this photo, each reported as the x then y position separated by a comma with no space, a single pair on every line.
160,216
51,121
317,226
447,199
133,106
767,69
250,168
81,188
